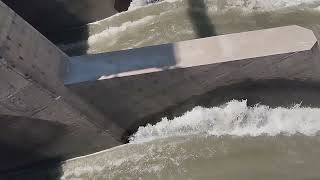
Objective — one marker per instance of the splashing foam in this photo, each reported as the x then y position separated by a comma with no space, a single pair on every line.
261,4
235,118
111,32
137,3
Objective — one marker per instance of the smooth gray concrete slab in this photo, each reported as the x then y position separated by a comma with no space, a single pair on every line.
191,53
132,90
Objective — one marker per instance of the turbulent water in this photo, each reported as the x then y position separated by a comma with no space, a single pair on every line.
202,157
176,20
237,119
232,141
229,142
265,4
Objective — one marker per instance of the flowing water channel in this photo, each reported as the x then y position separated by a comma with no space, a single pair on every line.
178,20
233,141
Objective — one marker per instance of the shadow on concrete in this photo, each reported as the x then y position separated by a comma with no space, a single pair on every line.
93,67
32,149
200,20
59,21
85,72
122,5
25,143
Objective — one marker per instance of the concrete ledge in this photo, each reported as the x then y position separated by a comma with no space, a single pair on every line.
130,86
191,53
34,67
24,141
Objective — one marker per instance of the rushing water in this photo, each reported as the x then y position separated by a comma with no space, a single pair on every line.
202,157
177,20
229,142
233,141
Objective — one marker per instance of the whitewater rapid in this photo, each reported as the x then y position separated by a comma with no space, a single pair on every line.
262,4
230,142
237,119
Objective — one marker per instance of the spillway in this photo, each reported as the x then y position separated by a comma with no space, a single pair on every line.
174,89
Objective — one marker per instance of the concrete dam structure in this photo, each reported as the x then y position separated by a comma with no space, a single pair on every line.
32,71
143,82
56,107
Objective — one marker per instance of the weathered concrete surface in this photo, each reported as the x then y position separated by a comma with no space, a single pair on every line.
32,92
316,30
147,81
191,53
24,141
62,14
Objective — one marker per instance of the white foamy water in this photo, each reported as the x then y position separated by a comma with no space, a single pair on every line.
235,118
264,4
111,32
138,3
150,23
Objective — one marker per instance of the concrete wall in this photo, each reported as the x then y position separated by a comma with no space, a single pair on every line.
34,103
143,82
29,141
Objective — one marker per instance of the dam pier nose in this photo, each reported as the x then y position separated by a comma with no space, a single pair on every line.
147,81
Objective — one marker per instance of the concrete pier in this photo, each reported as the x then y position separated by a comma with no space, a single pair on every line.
40,118
146,81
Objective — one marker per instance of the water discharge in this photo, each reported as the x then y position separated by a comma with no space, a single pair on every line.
229,142
237,119
263,4
233,141
204,157
176,20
